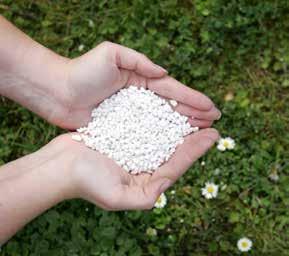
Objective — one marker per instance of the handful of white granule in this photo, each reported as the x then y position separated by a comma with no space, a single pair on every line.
137,129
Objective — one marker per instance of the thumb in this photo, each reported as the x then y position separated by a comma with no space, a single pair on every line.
158,186
141,197
195,146
130,59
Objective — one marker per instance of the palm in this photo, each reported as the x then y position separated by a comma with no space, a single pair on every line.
106,184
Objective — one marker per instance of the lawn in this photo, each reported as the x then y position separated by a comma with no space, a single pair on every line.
237,52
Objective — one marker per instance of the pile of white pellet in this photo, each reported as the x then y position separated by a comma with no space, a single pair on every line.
136,128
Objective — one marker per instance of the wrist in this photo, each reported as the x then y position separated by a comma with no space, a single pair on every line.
52,166
45,180
38,184
46,72
57,179
36,79
60,157
69,165
46,79
32,75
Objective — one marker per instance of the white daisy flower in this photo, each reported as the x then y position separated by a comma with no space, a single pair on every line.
217,171
244,244
210,190
151,232
274,176
203,163
226,143
90,23
161,201
80,47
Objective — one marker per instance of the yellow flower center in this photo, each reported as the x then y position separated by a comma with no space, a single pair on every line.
244,244
210,189
159,200
226,144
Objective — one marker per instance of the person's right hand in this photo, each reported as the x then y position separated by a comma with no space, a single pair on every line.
98,179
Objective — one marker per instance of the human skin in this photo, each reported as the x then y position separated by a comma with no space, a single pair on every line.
66,169
64,91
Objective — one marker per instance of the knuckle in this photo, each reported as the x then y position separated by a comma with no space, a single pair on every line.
105,44
144,56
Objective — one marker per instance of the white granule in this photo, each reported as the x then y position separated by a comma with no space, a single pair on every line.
136,128
195,129
173,103
76,137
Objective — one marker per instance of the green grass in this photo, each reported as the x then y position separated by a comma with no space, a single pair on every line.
214,46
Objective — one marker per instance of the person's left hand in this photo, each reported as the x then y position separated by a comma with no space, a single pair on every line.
99,73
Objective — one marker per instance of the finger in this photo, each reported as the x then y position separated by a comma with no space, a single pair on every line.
200,123
140,197
130,59
195,146
170,88
212,114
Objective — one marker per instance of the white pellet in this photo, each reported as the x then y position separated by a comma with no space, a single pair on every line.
195,129
136,128
76,137
173,103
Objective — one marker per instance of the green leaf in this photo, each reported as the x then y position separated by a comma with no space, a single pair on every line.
234,217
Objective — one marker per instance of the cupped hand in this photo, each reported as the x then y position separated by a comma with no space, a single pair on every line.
104,70
100,180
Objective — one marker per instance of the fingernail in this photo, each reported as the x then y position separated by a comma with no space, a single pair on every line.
161,68
165,185
219,114
213,134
